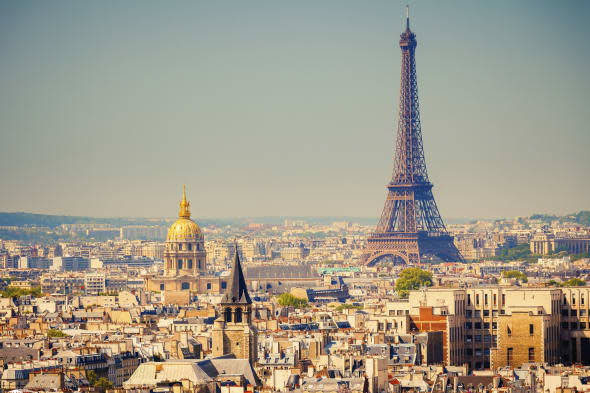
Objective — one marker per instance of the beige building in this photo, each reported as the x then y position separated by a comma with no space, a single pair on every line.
473,318
545,243
575,325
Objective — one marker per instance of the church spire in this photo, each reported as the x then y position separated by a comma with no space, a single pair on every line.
237,291
184,211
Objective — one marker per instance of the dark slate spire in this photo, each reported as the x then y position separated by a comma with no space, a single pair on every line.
237,292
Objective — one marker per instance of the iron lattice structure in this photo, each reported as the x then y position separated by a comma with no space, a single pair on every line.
410,227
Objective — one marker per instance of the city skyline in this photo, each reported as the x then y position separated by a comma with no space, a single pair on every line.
289,110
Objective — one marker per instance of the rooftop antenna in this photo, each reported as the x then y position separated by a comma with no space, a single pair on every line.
407,17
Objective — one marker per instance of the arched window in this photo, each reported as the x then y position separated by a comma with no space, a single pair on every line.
179,264
238,315
227,313
190,247
190,263
185,285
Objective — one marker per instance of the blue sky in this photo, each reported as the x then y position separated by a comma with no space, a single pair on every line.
268,108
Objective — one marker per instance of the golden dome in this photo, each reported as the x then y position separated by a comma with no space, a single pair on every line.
184,229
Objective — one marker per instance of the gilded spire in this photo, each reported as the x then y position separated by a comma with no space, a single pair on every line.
184,211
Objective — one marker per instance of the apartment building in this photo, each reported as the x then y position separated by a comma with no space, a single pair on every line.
575,325
483,326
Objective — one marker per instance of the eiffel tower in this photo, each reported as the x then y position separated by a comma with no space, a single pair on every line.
410,229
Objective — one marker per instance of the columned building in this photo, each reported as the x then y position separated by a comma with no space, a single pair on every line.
185,262
185,245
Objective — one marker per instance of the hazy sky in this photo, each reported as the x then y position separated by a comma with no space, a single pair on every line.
289,107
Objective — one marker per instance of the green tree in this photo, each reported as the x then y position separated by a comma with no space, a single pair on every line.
286,299
103,384
56,333
574,282
347,306
412,278
515,274
12,292
91,376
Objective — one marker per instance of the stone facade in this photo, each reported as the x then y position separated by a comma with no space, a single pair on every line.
521,339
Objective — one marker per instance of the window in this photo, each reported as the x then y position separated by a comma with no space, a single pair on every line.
574,300
180,247
574,313
531,329
185,286
582,313
227,313
208,285
531,354
161,287
477,314
199,263
190,263
494,299
494,325
223,285
486,313
564,300
190,247
485,299
469,313
468,338
509,356
477,299
564,325
469,300
508,331
478,325
494,313
486,325
179,264
503,299
468,325
582,299
238,315
477,338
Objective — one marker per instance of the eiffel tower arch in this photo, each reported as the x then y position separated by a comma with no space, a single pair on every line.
410,229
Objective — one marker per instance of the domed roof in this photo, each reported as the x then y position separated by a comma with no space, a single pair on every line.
184,228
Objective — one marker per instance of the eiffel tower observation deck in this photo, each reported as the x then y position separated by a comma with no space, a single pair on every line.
410,230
